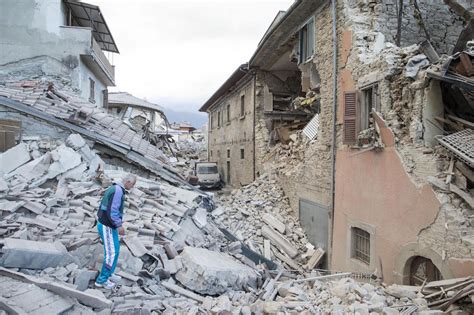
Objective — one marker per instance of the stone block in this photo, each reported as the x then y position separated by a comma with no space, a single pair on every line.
32,255
14,158
274,222
209,272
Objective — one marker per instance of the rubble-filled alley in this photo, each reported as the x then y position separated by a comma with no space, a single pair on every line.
340,156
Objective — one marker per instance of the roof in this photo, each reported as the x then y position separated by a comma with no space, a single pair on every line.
281,30
125,98
89,15
68,111
238,74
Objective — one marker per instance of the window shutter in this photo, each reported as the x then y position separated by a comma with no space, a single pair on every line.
350,117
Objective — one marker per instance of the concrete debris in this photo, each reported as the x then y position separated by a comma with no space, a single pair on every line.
19,253
14,158
260,212
212,273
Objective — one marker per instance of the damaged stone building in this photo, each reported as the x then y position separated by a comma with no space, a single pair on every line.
376,86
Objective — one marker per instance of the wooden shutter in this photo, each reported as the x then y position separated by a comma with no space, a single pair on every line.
351,113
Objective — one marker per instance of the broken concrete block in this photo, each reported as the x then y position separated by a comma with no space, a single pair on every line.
274,222
135,245
210,272
75,141
35,207
279,241
3,185
83,278
13,158
200,217
10,206
31,255
64,159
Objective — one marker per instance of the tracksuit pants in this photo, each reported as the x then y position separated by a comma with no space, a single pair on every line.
110,239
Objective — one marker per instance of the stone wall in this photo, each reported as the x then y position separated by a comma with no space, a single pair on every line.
234,135
442,25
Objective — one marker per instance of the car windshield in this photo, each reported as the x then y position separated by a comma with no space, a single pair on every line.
207,169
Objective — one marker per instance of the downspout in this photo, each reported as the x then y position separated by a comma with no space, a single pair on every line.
254,122
334,118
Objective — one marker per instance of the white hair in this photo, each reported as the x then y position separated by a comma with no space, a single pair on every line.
129,178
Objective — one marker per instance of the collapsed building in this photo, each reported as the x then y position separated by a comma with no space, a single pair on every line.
383,91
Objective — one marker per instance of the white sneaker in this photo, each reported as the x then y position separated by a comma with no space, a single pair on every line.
109,285
115,278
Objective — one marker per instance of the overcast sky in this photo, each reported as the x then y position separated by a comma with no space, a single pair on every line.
178,52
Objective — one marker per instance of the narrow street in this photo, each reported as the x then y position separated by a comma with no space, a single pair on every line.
331,172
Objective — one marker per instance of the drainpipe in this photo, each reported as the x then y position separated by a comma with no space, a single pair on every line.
254,122
334,118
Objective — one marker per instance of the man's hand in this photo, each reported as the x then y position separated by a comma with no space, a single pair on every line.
121,231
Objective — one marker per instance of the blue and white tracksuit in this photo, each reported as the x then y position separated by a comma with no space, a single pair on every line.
110,219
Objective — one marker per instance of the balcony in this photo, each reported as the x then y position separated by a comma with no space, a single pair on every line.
96,60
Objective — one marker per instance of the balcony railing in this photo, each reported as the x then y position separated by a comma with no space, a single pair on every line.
104,63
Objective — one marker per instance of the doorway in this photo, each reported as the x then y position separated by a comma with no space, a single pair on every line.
421,269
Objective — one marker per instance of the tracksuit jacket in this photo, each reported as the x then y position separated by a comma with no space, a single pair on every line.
111,207
110,219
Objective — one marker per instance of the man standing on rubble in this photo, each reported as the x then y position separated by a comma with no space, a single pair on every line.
110,227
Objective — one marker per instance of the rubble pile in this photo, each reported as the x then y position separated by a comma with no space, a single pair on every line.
259,215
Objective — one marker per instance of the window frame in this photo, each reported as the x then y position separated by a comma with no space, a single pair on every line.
228,113
360,245
307,41
365,111
242,106
242,153
91,90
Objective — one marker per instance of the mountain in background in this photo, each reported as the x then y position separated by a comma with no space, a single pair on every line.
196,119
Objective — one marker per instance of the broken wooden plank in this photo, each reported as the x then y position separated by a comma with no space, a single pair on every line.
290,262
464,195
177,289
267,249
465,170
274,222
280,241
335,275
462,121
315,259
449,178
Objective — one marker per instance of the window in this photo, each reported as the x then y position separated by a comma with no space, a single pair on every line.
242,106
370,102
211,153
105,98
228,153
207,170
91,90
218,119
242,154
360,245
228,113
358,106
306,42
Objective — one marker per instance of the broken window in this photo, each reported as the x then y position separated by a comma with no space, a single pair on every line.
242,154
91,90
360,245
242,106
306,42
370,102
228,113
